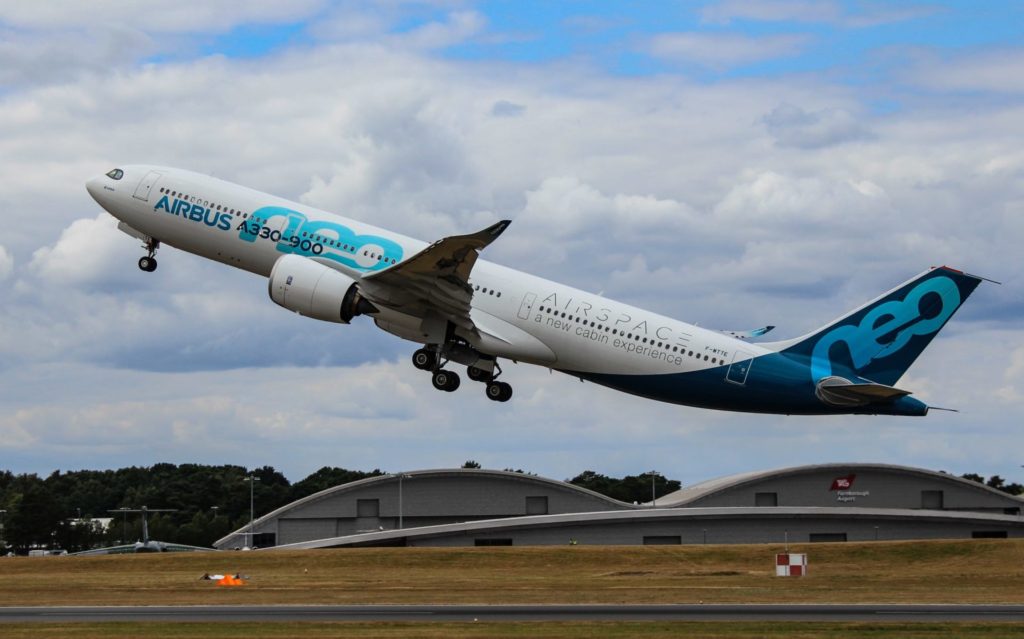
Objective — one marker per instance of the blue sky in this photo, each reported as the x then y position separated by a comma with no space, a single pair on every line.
736,164
839,35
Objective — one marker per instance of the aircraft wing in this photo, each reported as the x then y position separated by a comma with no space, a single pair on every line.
435,280
757,332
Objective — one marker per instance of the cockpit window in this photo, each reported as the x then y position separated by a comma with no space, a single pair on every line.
116,174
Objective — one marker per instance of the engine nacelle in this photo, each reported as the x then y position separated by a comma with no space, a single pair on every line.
309,288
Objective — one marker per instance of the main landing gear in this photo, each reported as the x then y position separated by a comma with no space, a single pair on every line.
148,262
427,359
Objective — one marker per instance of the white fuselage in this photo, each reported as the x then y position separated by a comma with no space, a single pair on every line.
582,332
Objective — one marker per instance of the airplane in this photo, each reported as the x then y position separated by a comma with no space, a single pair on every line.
471,312
144,545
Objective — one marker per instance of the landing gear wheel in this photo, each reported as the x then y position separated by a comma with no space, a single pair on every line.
424,360
499,391
147,264
445,380
479,375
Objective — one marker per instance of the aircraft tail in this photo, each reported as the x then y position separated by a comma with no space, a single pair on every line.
881,339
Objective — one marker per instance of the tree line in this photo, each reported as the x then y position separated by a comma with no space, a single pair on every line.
206,502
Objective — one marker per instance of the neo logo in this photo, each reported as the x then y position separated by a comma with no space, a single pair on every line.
888,327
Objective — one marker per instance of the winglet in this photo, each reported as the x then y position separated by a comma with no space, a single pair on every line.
492,232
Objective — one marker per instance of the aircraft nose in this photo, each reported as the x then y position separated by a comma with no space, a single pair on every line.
94,188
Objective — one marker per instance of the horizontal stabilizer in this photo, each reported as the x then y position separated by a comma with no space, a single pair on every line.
842,392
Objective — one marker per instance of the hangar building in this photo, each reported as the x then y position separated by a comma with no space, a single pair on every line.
466,507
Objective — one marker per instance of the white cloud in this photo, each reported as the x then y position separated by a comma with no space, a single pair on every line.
726,11
6,264
1012,392
724,50
459,26
814,11
153,16
998,71
90,252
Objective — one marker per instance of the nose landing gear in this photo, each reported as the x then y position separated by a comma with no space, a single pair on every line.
148,262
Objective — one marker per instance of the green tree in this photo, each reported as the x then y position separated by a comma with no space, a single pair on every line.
33,513
631,488
328,477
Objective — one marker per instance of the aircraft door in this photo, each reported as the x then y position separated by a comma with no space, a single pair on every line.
146,185
527,305
740,367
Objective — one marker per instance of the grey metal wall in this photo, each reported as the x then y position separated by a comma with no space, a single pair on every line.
724,530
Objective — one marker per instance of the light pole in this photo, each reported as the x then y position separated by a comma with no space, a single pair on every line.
252,509
401,476
654,502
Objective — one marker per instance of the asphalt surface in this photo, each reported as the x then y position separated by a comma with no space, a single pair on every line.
482,613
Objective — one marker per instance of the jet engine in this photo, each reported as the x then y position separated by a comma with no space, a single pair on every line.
309,288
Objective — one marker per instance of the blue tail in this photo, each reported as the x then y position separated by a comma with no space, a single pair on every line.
880,340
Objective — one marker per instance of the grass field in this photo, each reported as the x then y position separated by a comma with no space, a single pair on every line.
980,571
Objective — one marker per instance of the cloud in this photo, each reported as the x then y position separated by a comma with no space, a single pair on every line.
812,11
723,50
186,16
26,58
89,253
999,71
792,126
458,27
727,11
6,264
506,109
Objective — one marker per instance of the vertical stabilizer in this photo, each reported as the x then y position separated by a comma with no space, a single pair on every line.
880,340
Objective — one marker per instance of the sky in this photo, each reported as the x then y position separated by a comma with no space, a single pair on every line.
730,163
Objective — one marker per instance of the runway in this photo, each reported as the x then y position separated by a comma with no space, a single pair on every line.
485,613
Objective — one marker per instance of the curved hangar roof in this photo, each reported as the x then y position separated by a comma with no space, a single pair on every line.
418,498
827,502
861,485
